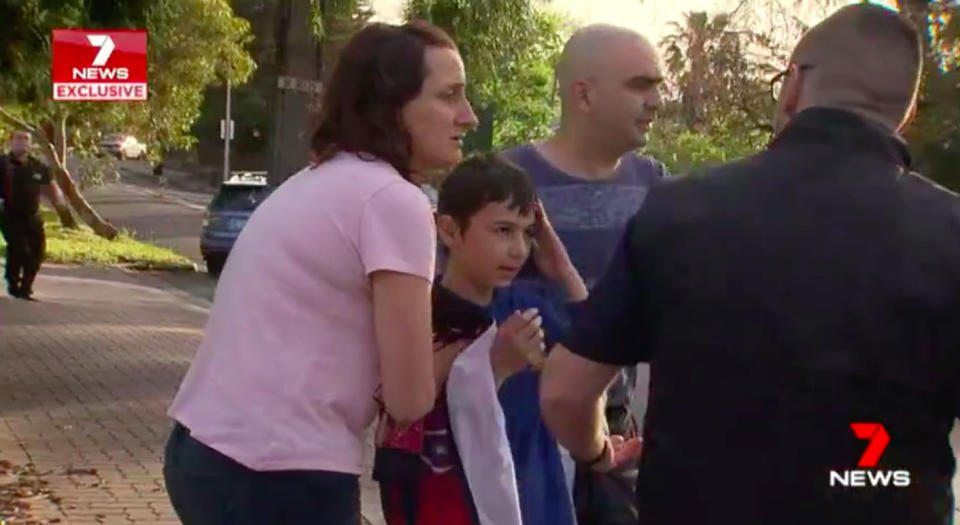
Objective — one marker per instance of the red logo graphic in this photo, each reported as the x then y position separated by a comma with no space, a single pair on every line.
879,439
99,64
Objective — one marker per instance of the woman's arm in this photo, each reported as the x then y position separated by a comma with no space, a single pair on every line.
401,317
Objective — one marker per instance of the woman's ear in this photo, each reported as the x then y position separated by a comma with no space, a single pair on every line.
448,230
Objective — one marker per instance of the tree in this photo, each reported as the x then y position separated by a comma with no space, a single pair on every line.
192,44
935,134
334,22
717,73
509,48
717,98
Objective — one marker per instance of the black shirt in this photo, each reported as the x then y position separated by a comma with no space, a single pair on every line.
22,184
778,299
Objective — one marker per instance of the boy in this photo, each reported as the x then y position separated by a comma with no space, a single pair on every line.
488,220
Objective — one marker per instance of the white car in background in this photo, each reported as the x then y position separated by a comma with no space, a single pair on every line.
123,146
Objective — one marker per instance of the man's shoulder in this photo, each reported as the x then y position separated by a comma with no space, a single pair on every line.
645,165
930,198
922,186
695,196
518,152
712,181
525,156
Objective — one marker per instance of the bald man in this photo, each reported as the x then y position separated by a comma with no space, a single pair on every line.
588,174
590,177
800,311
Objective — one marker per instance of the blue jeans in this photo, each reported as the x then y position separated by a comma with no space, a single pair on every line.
208,488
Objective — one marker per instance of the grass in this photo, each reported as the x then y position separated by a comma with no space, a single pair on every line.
82,246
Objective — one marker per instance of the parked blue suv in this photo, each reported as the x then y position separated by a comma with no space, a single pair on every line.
227,214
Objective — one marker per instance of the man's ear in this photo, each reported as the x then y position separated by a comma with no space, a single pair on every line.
582,92
448,230
792,90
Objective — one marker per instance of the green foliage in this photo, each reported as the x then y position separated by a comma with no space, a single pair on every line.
509,48
329,17
717,98
934,136
195,43
682,150
82,246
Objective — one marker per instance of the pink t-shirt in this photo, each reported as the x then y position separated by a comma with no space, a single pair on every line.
286,373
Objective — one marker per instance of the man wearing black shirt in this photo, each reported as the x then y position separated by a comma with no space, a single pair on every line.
23,180
781,298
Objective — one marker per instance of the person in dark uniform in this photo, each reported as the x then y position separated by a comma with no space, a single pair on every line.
23,181
787,302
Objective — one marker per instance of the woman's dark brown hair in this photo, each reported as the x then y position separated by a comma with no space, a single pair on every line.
381,69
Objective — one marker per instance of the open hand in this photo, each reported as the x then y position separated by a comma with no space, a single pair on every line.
519,343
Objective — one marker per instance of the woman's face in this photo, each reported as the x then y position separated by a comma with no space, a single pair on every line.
440,115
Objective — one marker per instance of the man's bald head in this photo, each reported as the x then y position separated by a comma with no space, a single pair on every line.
864,58
589,51
585,49
609,79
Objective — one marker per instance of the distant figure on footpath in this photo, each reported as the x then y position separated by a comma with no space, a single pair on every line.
24,180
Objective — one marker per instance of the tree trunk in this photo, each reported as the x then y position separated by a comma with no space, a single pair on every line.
63,212
56,147
62,208
89,215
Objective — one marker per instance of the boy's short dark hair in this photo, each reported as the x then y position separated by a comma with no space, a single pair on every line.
481,179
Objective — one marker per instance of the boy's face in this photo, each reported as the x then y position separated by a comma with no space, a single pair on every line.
494,246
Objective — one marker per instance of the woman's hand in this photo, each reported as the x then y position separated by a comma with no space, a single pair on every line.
618,452
519,344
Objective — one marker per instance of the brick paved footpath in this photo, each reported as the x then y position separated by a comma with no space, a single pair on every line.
86,376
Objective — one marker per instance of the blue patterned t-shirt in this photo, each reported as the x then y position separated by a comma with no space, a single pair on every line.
589,216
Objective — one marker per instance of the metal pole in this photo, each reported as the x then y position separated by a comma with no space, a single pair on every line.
227,131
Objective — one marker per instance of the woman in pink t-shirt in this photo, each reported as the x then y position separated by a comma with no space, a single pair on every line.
325,296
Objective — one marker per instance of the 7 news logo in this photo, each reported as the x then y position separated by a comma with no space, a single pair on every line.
878,441
99,64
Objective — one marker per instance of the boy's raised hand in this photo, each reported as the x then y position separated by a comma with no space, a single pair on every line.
549,254
519,343
552,259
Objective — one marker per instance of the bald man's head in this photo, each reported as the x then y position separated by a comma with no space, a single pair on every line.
864,58
608,78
